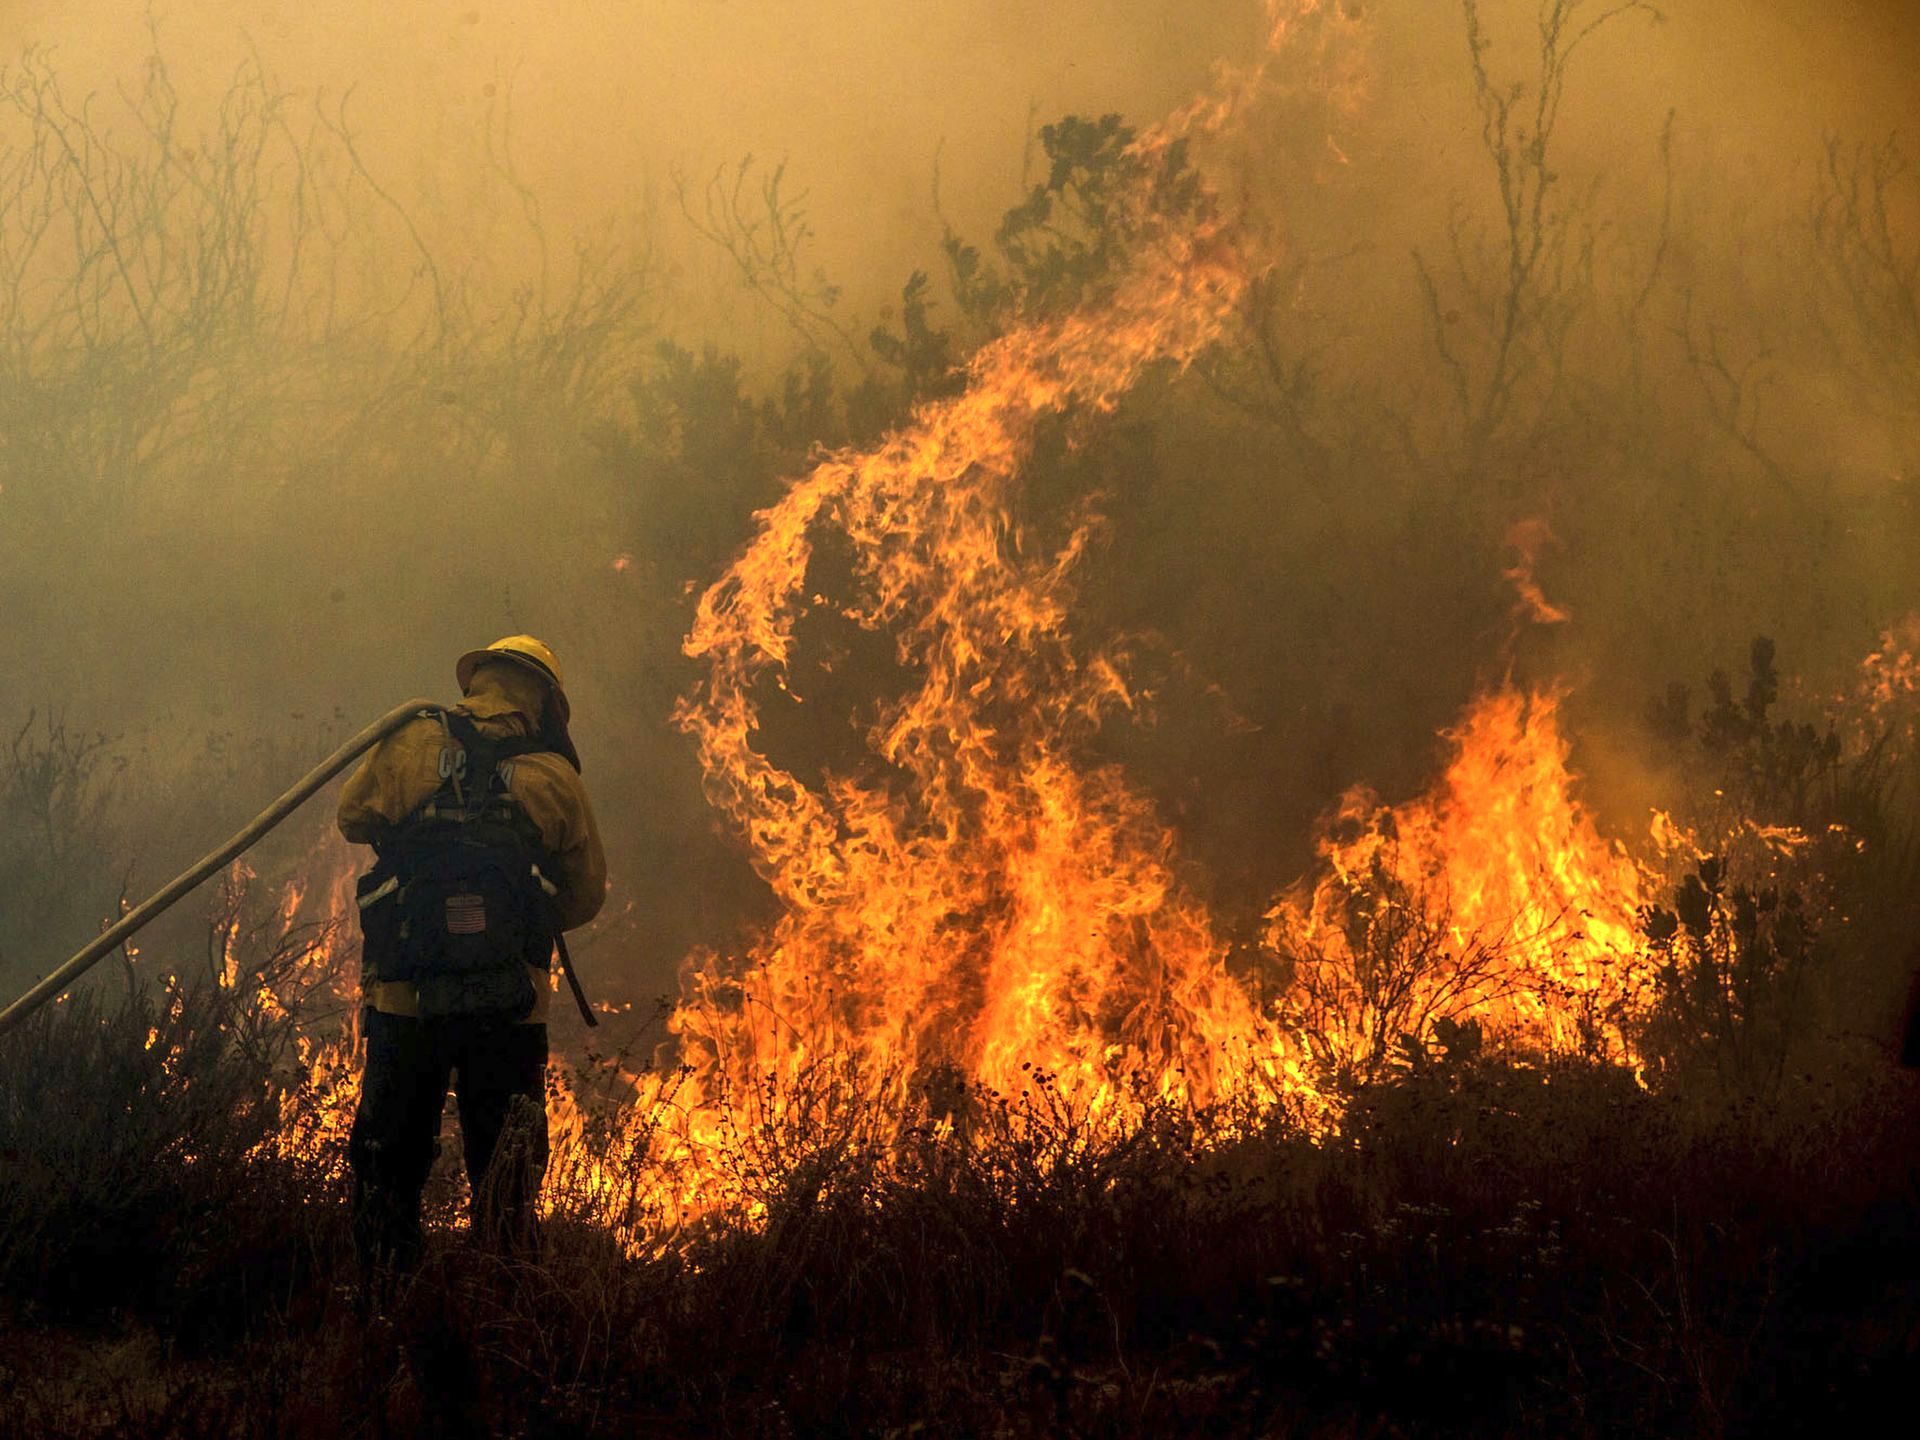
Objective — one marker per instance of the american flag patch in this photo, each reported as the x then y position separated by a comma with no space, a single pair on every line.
466,915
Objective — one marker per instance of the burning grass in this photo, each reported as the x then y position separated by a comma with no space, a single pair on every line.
1698,1222
1486,1245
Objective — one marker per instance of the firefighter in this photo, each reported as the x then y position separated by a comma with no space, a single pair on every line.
485,849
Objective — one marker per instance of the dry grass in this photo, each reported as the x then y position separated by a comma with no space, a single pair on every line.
1490,1248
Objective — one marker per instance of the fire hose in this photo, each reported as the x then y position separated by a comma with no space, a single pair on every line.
176,889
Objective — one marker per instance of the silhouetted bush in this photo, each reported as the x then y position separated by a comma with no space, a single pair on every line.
1488,1247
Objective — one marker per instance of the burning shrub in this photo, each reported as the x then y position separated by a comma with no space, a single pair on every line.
1736,965
135,1157
1794,845
1388,975
160,1146
1492,901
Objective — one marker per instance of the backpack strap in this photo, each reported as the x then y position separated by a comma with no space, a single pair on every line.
472,772
473,783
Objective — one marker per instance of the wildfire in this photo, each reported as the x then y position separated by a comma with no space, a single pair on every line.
309,978
1493,898
1889,679
982,905
978,910
975,910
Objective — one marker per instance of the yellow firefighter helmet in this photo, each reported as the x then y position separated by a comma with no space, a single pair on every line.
529,654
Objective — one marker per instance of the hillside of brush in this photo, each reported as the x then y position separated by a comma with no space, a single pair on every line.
1540,526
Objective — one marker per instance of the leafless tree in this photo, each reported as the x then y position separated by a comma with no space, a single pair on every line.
1501,307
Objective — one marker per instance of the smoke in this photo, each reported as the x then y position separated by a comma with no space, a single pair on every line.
481,434
609,100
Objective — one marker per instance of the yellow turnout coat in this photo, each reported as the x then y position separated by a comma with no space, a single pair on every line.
404,769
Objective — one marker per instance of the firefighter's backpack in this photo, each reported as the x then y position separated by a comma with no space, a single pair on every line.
456,904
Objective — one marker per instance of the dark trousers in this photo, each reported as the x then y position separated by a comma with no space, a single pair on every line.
498,1072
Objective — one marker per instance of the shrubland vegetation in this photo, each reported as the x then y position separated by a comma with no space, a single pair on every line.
1491,1244
1304,561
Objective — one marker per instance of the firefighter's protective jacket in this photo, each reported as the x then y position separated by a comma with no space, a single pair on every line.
403,771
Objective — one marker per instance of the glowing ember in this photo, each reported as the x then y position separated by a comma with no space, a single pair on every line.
1890,675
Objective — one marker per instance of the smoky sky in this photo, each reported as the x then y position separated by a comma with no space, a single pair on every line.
895,120
869,99
865,98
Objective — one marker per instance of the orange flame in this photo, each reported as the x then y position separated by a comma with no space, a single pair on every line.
1493,898
315,989
981,905
1889,681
